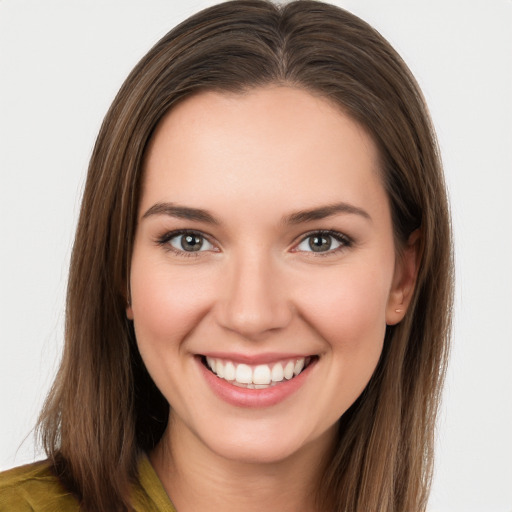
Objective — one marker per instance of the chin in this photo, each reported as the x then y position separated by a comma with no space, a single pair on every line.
265,444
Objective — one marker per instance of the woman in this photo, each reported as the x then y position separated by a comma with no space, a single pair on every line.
259,295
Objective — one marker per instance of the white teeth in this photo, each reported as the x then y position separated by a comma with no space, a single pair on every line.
299,366
277,373
288,370
261,374
257,377
243,374
229,371
211,363
219,369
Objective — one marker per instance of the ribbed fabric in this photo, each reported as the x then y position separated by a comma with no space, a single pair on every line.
33,488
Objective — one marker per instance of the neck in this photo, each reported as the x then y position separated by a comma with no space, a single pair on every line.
198,479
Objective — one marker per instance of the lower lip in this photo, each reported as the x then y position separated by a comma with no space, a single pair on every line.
256,398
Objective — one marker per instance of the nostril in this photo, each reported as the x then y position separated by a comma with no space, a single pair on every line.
254,300
252,321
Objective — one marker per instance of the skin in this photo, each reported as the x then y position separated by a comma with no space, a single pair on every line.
252,161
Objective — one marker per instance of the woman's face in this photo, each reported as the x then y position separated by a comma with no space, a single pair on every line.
264,245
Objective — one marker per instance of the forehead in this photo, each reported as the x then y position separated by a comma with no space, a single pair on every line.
272,143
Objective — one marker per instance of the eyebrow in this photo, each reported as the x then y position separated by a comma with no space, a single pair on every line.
181,212
323,212
299,217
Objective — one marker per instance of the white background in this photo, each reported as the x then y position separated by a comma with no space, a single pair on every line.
61,63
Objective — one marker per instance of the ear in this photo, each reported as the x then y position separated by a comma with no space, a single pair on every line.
404,279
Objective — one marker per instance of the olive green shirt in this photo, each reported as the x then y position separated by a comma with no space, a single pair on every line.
34,488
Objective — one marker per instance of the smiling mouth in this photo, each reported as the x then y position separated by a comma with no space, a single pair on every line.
259,376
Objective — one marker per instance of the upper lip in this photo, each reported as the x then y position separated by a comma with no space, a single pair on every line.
255,359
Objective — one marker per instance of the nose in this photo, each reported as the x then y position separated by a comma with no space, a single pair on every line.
255,299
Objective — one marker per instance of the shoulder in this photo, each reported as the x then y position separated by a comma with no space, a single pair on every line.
148,493
34,488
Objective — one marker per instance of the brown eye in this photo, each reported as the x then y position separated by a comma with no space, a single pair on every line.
190,242
319,243
323,242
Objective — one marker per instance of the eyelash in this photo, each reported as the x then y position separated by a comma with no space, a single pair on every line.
167,237
344,241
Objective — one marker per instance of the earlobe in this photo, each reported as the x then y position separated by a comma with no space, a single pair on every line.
404,279
400,307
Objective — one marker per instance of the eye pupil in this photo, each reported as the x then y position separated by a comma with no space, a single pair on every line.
191,242
319,243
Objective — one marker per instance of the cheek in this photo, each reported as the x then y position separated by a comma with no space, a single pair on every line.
166,304
348,309
348,312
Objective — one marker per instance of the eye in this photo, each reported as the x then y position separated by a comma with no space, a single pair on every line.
323,242
187,241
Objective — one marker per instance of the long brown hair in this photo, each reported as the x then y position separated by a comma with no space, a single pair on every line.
104,408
